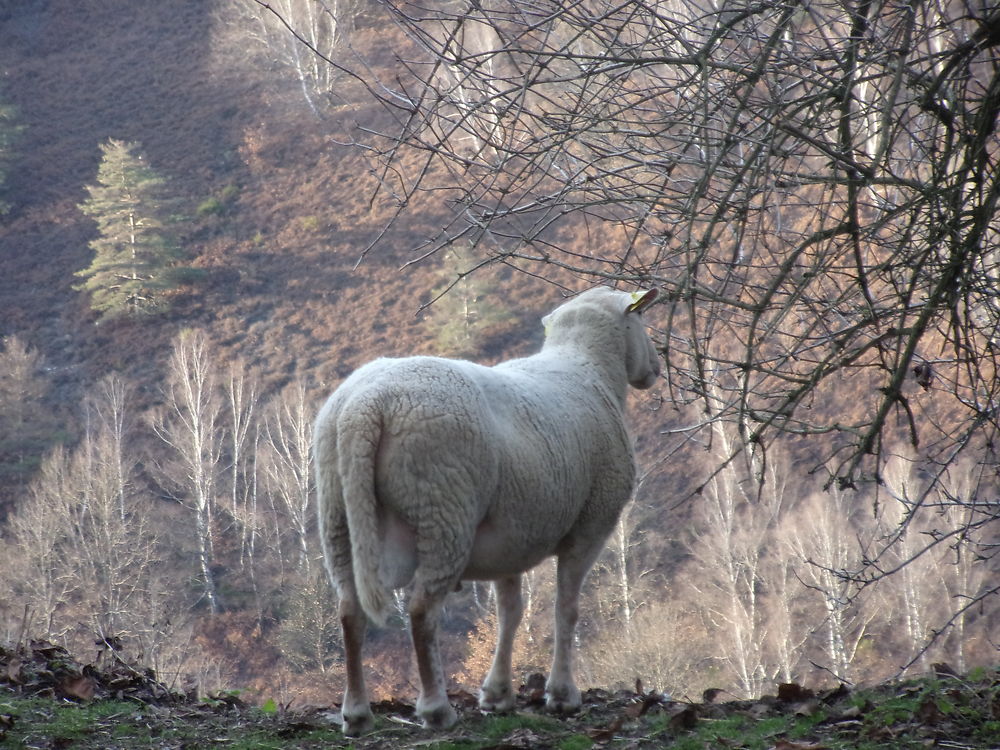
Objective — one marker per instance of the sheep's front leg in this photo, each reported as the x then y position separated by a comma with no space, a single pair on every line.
497,693
562,694
356,712
433,707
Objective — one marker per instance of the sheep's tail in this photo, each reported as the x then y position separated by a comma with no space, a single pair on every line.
358,436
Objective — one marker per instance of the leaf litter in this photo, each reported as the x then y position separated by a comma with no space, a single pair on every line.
50,700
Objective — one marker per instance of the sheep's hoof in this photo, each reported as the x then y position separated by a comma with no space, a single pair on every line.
356,725
500,701
563,700
441,717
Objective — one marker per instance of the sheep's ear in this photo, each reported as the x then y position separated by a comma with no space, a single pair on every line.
642,300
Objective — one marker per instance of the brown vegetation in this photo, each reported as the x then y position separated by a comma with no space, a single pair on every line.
715,579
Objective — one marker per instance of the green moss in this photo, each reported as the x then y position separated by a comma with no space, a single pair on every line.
576,742
499,726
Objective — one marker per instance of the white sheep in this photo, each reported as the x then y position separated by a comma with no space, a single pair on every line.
434,471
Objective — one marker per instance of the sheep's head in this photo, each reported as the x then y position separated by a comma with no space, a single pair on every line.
617,313
641,360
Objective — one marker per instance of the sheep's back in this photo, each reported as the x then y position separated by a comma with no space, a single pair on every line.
519,451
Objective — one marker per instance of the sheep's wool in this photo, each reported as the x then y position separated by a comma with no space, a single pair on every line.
431,471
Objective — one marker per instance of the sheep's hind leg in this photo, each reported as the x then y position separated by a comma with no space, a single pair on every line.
497,693
356,712
433,707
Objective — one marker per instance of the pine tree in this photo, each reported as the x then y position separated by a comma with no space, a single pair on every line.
467,312
135,253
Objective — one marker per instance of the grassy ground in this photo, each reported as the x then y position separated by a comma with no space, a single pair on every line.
49,701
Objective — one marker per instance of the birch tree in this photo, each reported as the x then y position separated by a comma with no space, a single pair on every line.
242,406
823,539
23,419
301,36
83,553
916,593
289,467
190,426
35,544
728,548
109,414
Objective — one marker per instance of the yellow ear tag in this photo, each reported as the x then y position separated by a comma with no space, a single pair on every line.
640,300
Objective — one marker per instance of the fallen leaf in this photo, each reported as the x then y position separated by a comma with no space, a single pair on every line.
686,718
928,712
832,696
648,701
464,698
606,734
709,695
81,688
943,670
535,681
789,745
48,651
534,689
14,671
789,692
851,712
393,706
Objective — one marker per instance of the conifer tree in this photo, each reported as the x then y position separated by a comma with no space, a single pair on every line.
467,311
135,252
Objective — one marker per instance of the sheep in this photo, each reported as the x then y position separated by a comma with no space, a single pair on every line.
432,471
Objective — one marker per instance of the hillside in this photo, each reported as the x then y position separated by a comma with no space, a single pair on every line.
282,292
711,578
280,288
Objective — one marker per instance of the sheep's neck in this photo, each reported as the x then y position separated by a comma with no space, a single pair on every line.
595,363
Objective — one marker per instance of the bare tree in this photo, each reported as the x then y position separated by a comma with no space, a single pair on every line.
619,572
111,550
289,474
917,592
729,548
822,537
665,650
109,415
20,384
309,633
24,422
297,35
85,556
190,426
242,404
939,570
815,186
35,543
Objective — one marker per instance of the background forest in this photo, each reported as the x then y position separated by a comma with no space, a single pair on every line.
188,202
